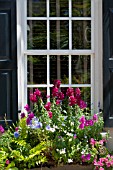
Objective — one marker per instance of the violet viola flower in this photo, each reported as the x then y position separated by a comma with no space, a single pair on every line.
33,98
50,114
47,106
31,115
37,92
22,115
27,107
1,129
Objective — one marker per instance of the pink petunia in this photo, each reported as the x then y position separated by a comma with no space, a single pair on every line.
50,114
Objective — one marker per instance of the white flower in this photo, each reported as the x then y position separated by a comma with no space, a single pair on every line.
70,160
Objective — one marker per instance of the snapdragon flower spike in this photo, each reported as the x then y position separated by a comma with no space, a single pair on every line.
37,92
60,96
1,129
82,104
70,92
50,114
31,115
95,118
33,98
58,102
77,92
27,107
55,92
72,100
57,83
22,115
48,106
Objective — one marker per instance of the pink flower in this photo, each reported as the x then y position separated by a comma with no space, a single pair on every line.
50,114
47,106
55,92
89,123
82,104
95,117
27,107
60,96
22,115
37,92
7,162
57,83
70,92
86,157
81,126
72,100
16,129
75,136
92,142
31,115
82,119
1,129
57,102
33,98
101,168
77,92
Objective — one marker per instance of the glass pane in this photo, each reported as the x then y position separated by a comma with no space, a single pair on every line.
59,34
59,66
59,8
81,8
36,35
81,69
31,91
81,34
37,69
36,8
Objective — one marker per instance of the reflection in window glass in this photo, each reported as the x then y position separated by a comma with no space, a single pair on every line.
59,68
37,69
36,8
36,35
59,8
59,34
81,8
81,69
81,34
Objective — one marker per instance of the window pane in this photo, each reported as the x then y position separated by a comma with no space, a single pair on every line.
59,34
81,8
36,35
59,8
81,34
36,8
80,69
37,69
59,68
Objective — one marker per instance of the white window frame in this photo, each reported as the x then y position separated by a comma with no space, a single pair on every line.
95,52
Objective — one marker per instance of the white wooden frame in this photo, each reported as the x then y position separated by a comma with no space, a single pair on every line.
95,52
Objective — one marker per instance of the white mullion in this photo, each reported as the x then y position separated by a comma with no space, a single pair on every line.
70,25
48,31
25,23
70,75
92,81
92,24
60,18
48,75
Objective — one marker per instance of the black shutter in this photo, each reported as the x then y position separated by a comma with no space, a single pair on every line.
108,61
8,61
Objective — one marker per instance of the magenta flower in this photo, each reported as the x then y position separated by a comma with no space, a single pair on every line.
89,123
82,104
47,106
28,120
58,102
81,126
60,96
95,117
22,115
55,92
57,83
7,162
82,119
75,136
33,98
50,114
1,129
77,92
86,157
92,142
72,100
37,92
70,92
27,107
16,129
31,115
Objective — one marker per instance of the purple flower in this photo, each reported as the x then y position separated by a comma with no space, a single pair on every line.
57,83
48,127
16,134
1,129
82,119
16,129
55,92
72,100
28,120
70,91
27,107
81,126
31,115
33,98
88,156
7,162
22,115
95,117
38,125
37,92
82,104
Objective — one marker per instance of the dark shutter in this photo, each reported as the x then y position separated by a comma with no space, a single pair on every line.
108,61
8,61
